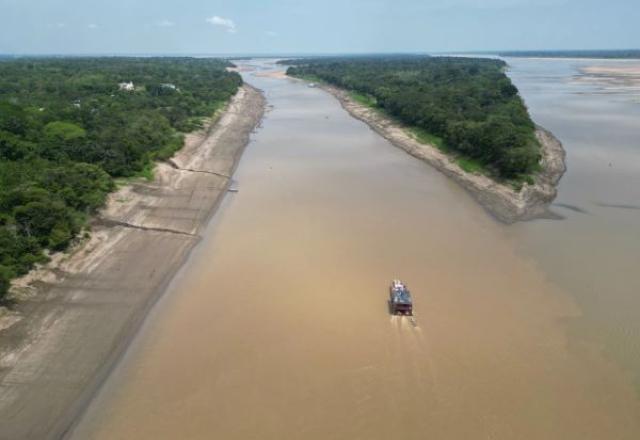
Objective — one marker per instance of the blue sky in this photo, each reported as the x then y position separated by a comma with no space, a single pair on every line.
318,26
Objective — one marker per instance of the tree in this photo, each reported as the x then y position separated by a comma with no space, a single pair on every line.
82,186
5,280
13,118
49,222
61,139
13,147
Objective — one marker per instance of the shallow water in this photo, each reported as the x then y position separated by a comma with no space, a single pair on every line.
278,326
595,253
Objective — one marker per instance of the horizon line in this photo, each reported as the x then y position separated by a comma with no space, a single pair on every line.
282,54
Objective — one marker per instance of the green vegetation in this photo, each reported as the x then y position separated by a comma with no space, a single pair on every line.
464,106
68,128
368,100
312,78
425,137
470,165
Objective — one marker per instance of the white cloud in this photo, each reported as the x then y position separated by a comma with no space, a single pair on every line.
165,23
272,33
92,26
226,23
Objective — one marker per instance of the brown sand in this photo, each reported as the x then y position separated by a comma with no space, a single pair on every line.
277,74
622,76
622,70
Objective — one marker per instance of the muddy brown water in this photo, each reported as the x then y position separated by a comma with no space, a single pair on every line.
278,326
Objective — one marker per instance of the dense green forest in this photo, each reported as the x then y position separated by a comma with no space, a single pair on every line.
69,126
467,105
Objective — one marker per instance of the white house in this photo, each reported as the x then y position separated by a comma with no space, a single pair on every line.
127,86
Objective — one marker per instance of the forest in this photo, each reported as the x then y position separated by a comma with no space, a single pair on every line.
467,106
70,126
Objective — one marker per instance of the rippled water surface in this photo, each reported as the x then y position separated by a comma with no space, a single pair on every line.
278,326
595,253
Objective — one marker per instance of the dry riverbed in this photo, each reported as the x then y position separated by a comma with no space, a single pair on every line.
74,318
628,74
621,78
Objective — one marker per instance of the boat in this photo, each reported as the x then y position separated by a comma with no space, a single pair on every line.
400,301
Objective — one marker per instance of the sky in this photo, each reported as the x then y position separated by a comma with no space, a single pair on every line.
317,26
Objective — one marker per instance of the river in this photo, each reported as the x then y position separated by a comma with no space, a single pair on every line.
595,253
278,326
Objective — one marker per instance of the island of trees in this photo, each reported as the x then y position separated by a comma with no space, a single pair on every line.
466,106
69,127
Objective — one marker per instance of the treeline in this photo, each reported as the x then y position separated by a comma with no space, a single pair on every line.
69,126
469,103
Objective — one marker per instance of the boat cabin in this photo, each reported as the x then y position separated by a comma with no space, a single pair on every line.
400,301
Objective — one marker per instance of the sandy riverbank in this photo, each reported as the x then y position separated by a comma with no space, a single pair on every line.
501,201
630,70
74,318
622,77
276,74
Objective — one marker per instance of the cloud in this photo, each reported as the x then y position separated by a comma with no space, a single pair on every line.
271,33
92,26
165,23
226,23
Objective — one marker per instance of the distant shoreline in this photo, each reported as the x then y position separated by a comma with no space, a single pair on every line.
608,54
501,201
